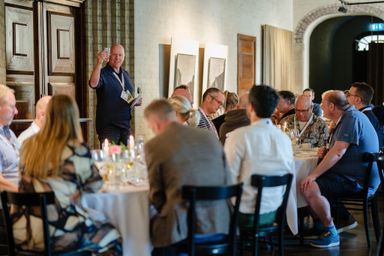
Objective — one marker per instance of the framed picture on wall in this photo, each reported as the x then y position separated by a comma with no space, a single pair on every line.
215,67
185,71
216,73
184,67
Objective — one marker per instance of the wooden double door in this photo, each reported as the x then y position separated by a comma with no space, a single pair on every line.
44,53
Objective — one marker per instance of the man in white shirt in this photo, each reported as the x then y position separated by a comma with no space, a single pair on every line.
39,121
260,148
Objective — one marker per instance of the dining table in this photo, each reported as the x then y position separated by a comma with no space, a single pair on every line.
126,207
305,161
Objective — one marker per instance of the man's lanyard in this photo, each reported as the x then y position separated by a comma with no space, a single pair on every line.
305,126
121,81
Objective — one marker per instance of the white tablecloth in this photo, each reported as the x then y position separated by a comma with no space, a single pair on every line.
304,163
127,209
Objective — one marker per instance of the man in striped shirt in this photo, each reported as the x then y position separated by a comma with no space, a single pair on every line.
213,99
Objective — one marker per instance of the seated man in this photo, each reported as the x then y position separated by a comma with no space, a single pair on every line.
213,99
306,126
183,90
286,105
360,96
316,106
342,170
39,121
9,146
259,148
9,149
181,155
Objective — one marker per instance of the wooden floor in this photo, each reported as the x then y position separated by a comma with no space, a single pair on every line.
352,243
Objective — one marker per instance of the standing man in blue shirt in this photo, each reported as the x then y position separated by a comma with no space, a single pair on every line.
115,96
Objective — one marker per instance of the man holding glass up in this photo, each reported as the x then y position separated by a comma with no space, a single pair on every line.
115,96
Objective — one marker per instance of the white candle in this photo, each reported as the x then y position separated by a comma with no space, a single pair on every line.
131,143
106,147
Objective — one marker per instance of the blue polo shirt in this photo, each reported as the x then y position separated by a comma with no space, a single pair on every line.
355,128
111,109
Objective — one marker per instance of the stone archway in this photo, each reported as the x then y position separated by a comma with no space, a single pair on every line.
305,27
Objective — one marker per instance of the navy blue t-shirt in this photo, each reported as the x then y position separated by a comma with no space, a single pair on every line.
356,129
111,108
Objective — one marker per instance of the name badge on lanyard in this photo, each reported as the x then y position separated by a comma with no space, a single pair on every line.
125,94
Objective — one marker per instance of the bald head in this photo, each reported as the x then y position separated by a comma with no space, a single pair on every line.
41,107
303,101
336,97
116,56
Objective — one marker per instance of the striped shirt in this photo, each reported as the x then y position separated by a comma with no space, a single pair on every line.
206,123
9,155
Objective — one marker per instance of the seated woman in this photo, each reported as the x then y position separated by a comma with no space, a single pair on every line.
56,159
184,111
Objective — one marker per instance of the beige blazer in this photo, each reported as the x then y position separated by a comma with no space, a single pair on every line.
179,156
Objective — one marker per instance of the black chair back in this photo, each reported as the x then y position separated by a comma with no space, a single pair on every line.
36,203
261,182
212,193
27,200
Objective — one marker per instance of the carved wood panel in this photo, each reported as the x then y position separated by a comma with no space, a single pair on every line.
246,59
19,35
61,44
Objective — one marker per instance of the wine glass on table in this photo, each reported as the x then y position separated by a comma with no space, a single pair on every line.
99,159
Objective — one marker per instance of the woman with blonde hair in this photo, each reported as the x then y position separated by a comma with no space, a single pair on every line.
184,111
56,159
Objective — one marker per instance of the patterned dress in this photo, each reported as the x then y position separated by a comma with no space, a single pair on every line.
70,226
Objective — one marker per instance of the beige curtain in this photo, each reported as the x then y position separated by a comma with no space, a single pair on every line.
277,62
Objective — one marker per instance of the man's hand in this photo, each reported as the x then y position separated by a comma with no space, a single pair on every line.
306,182
102,56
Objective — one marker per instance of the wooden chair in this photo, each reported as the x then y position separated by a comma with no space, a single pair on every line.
363,201
253,234
28,200
227,242
380,165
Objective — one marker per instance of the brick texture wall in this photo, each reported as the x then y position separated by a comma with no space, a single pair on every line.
107,22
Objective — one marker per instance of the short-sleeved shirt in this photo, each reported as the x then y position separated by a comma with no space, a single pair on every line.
9,156
111,109
355,128
367,110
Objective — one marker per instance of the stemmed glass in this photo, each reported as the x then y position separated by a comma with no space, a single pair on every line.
99,158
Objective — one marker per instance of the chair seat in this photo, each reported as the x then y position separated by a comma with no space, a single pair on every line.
206,244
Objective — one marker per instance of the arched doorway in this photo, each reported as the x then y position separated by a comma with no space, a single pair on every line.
334,61
308,24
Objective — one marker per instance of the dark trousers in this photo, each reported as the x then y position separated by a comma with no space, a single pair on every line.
114,134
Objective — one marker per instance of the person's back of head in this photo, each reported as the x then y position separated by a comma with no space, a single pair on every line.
61,128
263,100
337,98
159,113
41,108
364,91
184,110
231,101
4,91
